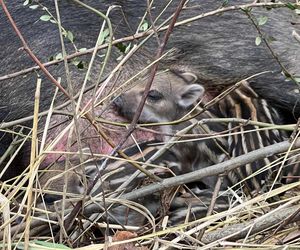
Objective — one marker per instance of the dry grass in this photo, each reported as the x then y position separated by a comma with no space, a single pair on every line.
265,220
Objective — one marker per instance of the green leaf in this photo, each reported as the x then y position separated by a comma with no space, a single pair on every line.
297,79
64,33
103,35
258,40
144,26
82,50
26,2
121,47
33,7
59,56
70,36
45,18
79,63
224,3
127,48
290,6
262,20
75,61
50,245
246,9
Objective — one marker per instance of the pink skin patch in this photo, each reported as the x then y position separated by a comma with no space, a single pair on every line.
90,138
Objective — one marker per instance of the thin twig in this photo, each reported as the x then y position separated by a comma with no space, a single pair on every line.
275,56
153,70
212,203
30,53
216,169
147,33
87,115
239,229
33,166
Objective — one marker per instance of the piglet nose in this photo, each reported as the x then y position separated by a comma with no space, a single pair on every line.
118,102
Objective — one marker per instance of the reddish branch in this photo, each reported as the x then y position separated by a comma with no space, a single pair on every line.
153,70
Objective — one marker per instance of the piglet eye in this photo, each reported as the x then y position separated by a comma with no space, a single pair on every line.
154,95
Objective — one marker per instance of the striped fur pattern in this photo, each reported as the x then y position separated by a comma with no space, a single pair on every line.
113,174
171,98
188,156
180,205
115,171
244,103
241,138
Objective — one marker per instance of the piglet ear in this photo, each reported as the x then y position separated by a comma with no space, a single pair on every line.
189,77
190,94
